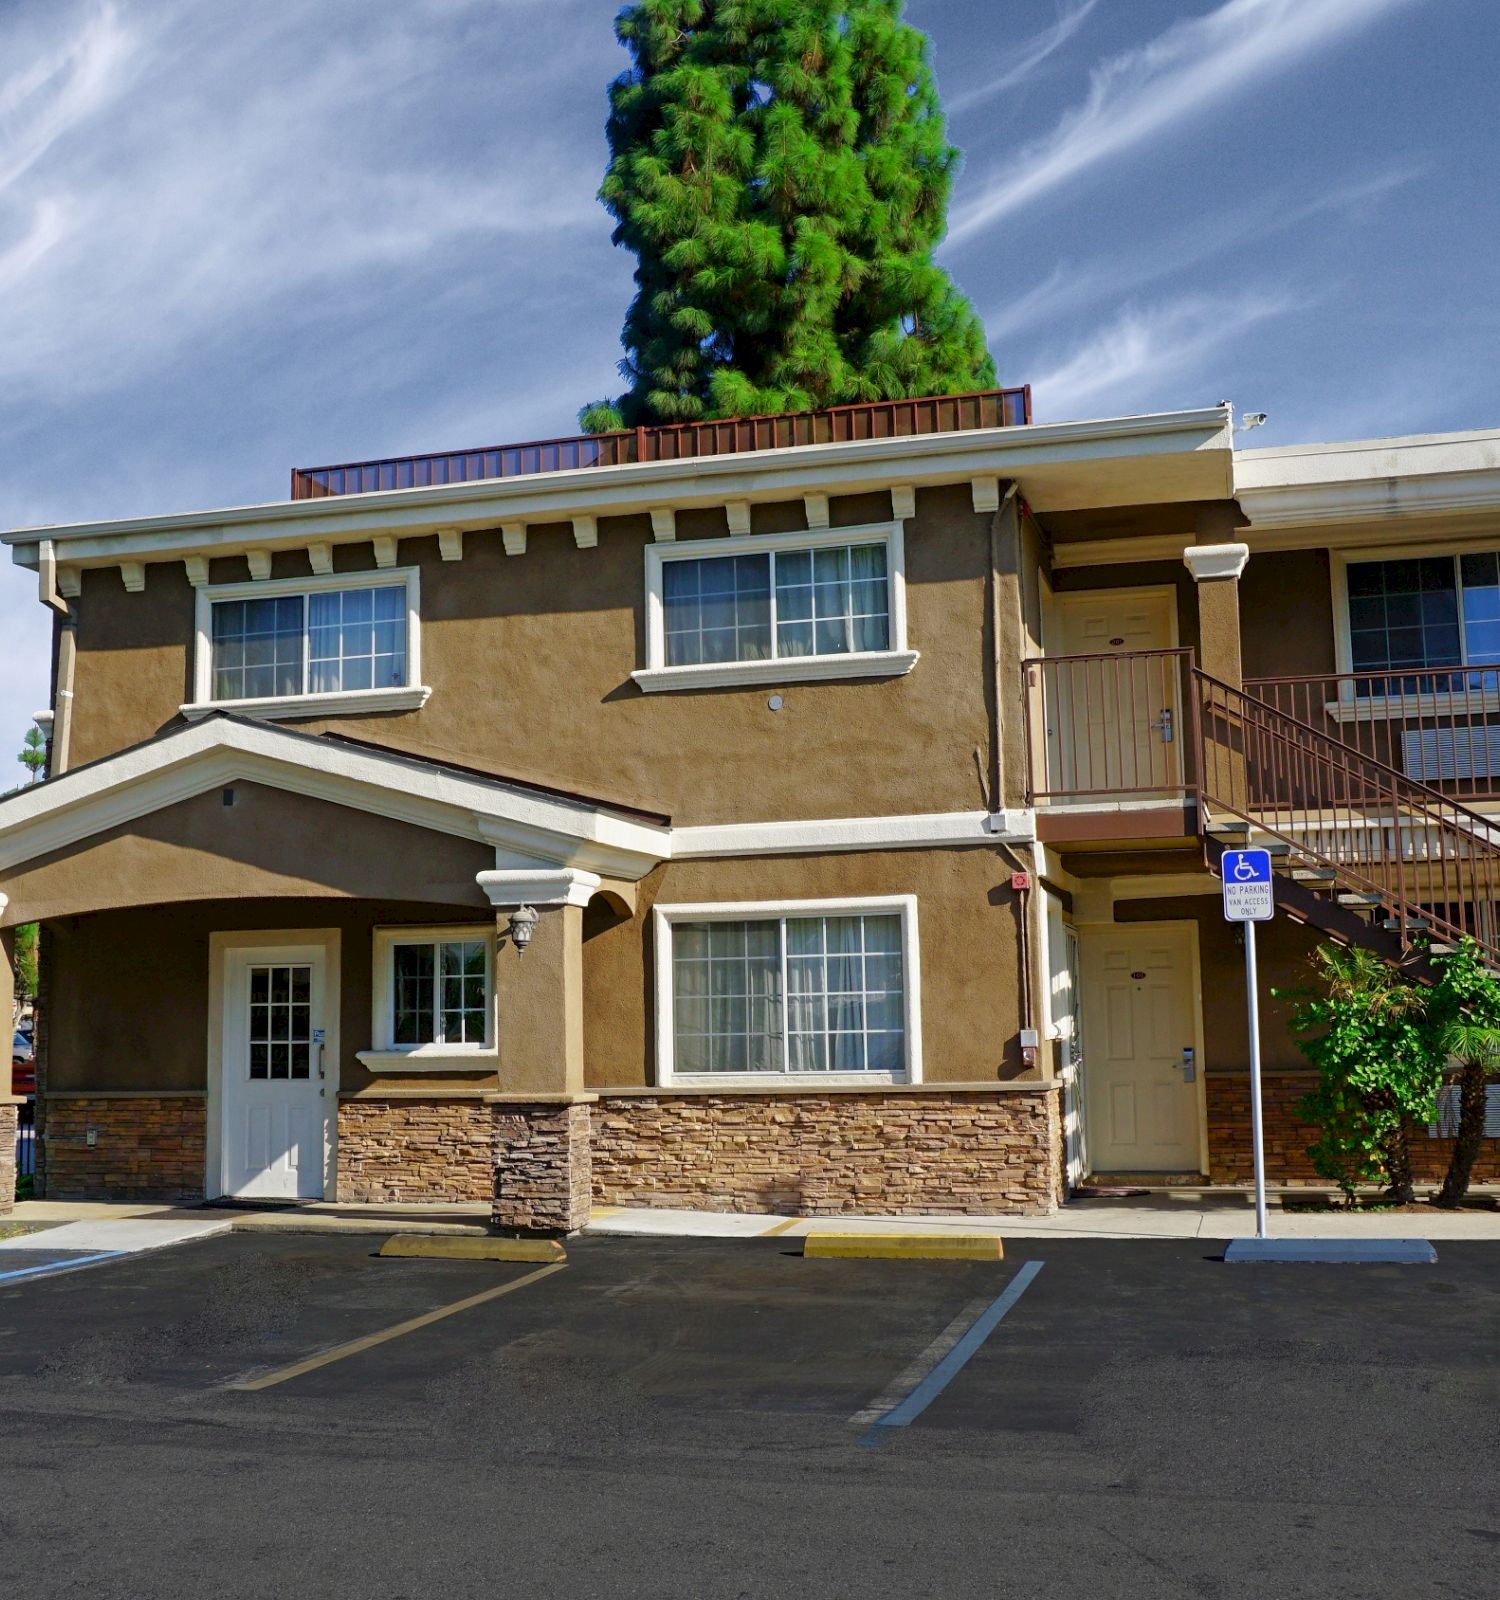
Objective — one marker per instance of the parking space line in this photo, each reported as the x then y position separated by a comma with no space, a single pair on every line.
779,1227
355,1347
910,1376
950,1365
60,1266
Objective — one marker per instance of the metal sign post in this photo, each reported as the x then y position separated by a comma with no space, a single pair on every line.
1250,897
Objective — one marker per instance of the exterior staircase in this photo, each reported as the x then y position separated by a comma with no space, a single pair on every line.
1362,852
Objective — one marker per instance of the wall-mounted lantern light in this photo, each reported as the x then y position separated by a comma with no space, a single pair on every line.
523,921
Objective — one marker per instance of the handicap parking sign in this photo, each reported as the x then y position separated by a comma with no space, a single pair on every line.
1248,892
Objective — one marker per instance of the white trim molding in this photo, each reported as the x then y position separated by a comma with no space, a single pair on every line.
1211,562
817,837
894,662
384,1054
663,919
538,886
205,756
410,696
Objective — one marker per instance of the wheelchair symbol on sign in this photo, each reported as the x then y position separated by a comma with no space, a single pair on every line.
1243,870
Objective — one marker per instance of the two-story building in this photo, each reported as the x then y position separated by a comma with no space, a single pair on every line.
812,813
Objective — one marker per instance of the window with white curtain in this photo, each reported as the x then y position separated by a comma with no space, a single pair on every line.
805,992
782,607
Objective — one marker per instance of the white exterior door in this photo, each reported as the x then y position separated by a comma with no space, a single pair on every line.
1140,1020
274,1104
1116,725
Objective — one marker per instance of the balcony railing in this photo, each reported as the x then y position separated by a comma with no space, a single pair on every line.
1440,726
880,419
1110,726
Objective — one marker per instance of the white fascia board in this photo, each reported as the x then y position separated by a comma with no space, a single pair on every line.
1369,479
206,756
934,829
636,487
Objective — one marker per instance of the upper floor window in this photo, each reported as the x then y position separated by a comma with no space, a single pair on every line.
769,609
1424,611
289,647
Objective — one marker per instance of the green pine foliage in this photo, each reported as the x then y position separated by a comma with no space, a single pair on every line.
781,171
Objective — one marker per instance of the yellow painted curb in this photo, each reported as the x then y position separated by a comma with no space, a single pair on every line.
907,1246
451,1247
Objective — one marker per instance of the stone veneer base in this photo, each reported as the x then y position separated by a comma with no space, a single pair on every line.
1231,1156
914,1153
7,1158
144,1148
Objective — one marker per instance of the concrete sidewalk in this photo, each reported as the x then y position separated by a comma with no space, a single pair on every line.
1160,1215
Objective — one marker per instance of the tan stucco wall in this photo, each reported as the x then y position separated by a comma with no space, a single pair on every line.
529,658
268,843
966,927
1282,950
1286,614
128,990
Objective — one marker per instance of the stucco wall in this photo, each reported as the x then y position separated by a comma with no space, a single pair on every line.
1286,614
128,990
529,658
967,931
267,844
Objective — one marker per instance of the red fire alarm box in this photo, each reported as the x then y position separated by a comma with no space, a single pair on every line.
1020,881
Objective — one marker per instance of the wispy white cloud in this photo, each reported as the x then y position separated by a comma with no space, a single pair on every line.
1067,289
1195,66
204,187
1144,348
1017,68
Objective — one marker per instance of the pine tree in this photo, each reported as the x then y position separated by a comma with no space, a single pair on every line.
781,171
33,754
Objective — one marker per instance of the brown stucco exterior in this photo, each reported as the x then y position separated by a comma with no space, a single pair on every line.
502,634
967,932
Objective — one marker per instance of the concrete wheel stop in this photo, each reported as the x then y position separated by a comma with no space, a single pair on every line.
1365,1252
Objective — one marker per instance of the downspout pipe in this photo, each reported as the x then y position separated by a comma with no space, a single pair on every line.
66,632
1025,898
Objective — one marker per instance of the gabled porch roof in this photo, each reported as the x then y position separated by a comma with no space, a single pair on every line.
532,830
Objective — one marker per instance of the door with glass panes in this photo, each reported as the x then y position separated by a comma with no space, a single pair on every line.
274,1101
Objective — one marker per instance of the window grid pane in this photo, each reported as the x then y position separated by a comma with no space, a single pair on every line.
831,600
351,638
1404,615
463,1006
280,1031
844,1005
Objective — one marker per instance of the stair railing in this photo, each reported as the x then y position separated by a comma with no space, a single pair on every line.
1430,861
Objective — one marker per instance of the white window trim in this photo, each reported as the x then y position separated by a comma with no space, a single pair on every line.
663,918
409,697
1379,708
895,662
384,1056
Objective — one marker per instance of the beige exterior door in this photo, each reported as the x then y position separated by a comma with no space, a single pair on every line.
1142,1091
1115,725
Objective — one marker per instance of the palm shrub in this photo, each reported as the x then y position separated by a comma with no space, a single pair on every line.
781,171
1464,1016
1365,1025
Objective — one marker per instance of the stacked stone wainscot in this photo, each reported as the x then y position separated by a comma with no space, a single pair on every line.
7,1154
827,1154
125,1147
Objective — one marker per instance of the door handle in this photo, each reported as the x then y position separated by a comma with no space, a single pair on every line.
1163,724
1188,1066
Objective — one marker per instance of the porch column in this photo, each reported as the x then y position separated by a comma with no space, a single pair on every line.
1216,570
8,1101
541,1113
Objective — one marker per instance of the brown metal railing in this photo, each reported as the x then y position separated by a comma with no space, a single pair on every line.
1440,725
1426,857
1113,724
878,419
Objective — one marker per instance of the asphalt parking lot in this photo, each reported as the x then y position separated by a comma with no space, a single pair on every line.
701,1418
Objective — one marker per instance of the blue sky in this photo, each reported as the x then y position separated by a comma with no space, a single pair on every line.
237,238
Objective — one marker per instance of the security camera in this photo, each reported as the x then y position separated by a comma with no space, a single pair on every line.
1251,419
